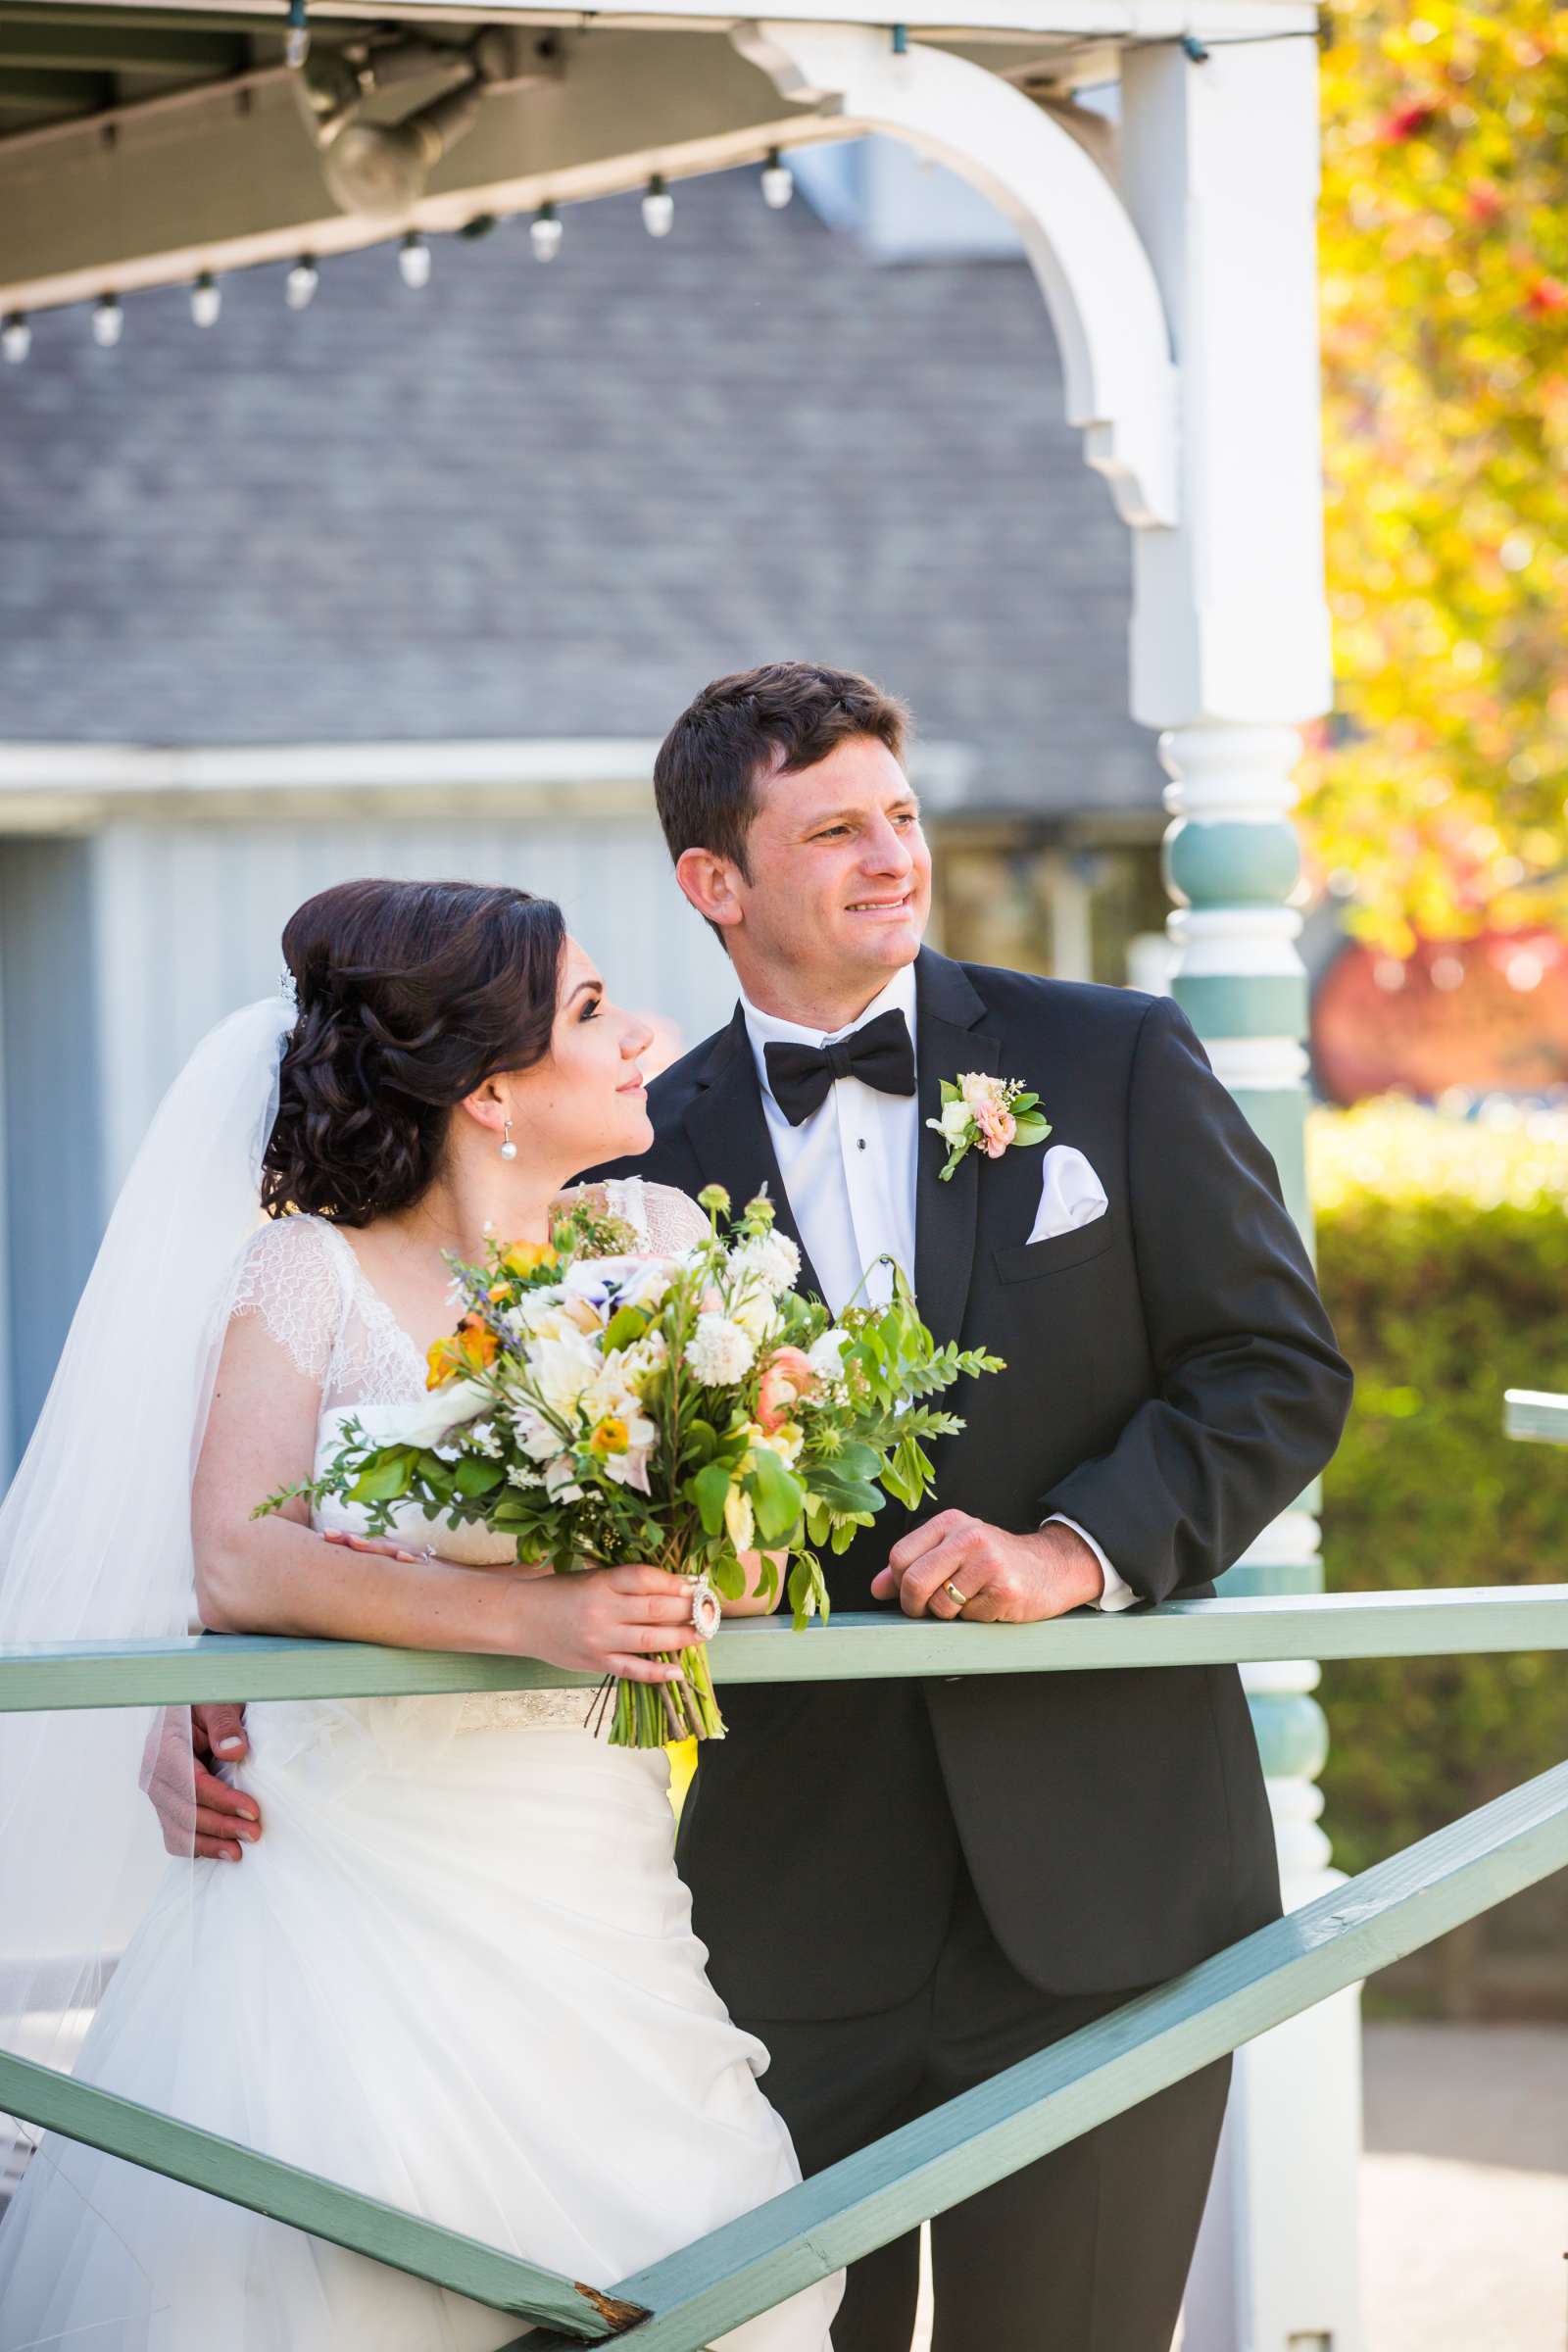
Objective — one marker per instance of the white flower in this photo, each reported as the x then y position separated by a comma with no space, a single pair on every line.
642,1359
770,1257
757,1314
533,1433
630,1469
612,1282
557,1319
485,1437
719,1352
609,1393
518,1476
825,1355
443,1409
978,1086
954,1122
534,1307
561,1484
648,1287
562,1368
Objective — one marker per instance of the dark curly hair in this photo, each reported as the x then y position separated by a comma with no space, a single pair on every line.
783,717
411,995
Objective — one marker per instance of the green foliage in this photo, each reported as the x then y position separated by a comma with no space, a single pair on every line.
1443,1254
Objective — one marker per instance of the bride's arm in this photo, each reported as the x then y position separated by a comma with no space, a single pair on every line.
278,1576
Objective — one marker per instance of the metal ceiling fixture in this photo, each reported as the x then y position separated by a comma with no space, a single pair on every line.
381,169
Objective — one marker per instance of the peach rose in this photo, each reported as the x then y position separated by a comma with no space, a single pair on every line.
997,1126
787,1377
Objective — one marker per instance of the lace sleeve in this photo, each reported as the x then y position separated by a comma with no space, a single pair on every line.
289,1276
674,1220
663,1218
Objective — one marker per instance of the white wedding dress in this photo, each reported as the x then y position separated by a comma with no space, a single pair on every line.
458,1972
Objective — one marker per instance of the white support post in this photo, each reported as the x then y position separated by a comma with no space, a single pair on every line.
1219,165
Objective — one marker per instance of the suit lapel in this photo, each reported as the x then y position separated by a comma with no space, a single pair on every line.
728,1132
947,1010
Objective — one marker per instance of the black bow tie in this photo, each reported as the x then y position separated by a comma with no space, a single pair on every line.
880,1054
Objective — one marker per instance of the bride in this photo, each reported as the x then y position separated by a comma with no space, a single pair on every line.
458,1971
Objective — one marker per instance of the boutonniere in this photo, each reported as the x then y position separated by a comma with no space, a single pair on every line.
993,1113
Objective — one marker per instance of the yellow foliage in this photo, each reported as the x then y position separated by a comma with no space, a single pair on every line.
1398,1151
1437,793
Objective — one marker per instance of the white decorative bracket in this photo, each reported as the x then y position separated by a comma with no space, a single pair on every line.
1098,286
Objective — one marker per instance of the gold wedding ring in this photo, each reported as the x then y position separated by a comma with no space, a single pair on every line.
952,1590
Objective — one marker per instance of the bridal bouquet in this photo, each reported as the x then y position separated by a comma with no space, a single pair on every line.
594,1408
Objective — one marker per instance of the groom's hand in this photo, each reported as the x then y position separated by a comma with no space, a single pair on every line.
1004,1579
197,1812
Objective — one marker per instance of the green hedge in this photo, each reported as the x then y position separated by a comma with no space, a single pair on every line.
1443,1254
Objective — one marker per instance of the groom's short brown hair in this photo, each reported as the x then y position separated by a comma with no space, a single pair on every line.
778,719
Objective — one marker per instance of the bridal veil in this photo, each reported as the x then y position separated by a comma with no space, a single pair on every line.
95,1543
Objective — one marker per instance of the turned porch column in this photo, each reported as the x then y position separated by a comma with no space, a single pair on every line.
1219,166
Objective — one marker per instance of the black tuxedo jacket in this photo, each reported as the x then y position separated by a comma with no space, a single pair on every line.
1173,1384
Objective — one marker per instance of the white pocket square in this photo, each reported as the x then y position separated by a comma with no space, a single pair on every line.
1070,1194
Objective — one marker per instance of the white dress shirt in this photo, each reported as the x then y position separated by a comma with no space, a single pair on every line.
849,1169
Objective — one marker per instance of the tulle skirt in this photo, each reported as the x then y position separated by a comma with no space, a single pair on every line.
457,1972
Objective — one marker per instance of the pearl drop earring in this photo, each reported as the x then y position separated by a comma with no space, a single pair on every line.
508,1150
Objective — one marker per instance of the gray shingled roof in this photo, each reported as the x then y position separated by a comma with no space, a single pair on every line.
551,502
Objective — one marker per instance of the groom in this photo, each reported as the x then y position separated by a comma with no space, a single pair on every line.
906,1886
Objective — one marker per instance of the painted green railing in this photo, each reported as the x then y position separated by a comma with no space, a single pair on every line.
678,2305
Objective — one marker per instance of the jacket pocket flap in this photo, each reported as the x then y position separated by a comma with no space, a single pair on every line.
1071,1249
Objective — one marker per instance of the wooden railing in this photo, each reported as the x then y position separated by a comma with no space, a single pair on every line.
680,2304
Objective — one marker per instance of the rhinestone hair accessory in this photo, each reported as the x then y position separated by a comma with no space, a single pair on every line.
287,989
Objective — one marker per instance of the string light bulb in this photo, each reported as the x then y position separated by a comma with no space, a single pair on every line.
108,321
15,338
778,181
659,207
206,300
299,287
544,233
297,39
413,261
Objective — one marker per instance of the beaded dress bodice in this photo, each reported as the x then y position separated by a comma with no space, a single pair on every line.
302,1277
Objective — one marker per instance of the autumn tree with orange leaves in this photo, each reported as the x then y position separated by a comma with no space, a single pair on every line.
1437,791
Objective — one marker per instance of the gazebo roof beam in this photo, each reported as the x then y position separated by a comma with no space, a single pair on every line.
119,46
79,216
957,20
27,89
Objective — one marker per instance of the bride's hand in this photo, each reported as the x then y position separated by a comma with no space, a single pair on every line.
381,1543
605,1621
